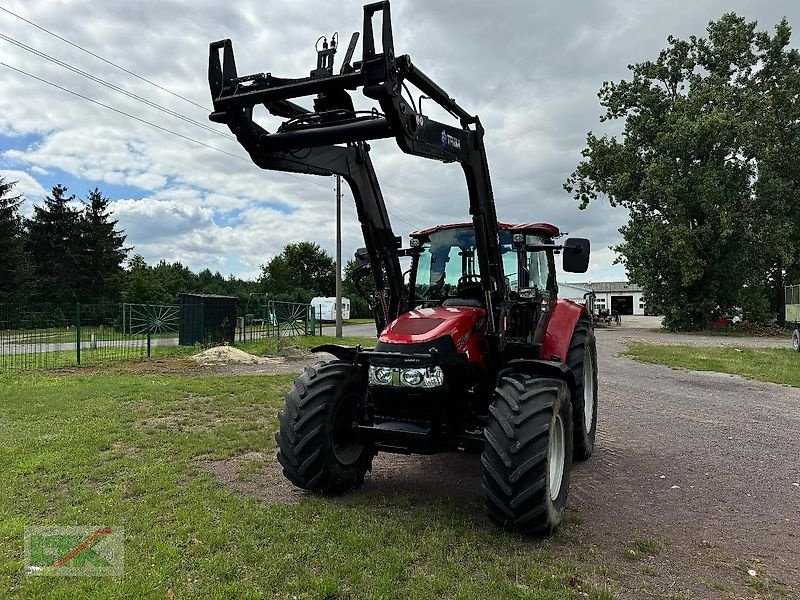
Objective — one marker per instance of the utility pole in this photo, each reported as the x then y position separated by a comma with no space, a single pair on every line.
338,256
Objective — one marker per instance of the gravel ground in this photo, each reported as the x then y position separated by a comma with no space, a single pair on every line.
707,463
702,467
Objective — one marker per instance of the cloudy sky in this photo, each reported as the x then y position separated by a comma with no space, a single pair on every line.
530,69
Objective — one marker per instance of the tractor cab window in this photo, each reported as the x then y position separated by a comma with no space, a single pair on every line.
541,266
447,265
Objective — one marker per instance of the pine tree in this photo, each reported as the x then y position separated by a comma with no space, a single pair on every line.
53,245
13,259
102,252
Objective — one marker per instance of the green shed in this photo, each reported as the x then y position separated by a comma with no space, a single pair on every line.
206,319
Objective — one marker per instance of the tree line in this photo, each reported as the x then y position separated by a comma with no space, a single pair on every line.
63,253
71,250
707,167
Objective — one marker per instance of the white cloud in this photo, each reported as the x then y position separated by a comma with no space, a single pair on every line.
531,70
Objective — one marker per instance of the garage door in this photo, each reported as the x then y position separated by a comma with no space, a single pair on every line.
622,305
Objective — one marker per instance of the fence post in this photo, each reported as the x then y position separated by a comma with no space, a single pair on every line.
78,331
148,343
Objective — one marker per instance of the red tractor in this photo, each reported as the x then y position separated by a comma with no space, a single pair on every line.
475,352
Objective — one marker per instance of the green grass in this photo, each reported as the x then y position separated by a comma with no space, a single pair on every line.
641,548
726,332
777,365
273,346
124,450
369,321
116,354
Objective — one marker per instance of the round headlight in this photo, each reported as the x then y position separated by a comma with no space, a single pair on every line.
383,375
412,377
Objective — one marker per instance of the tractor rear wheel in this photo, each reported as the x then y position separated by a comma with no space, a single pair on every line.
317,445
796,340
528,454
582,359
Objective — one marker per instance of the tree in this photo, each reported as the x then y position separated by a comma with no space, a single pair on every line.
359,307
102,252
696,168
300,272
13,257
54,247
142,285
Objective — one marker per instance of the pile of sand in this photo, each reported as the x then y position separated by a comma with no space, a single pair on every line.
227,355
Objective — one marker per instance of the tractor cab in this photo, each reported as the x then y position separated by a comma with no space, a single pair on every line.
445,271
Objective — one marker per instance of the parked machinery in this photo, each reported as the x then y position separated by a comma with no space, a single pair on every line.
475,353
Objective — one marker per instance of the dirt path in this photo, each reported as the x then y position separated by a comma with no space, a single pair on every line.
694,484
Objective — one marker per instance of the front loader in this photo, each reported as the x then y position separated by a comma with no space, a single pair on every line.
475,352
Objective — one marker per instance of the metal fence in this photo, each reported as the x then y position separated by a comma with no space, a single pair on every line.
48,336
278,319
39,336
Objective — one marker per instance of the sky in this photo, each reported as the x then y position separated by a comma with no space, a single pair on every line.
530,69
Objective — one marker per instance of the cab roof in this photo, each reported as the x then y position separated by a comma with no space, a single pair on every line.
544,229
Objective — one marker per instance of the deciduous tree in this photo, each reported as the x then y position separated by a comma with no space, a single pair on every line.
705,168
301,271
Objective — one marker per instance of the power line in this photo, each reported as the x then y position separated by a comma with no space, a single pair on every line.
137,97
146,122
112,86
122,112
399,218
105,60
393,214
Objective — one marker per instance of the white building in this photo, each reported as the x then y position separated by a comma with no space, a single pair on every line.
614,296
574,291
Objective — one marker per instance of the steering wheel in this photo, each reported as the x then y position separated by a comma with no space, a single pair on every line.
471,278
433,290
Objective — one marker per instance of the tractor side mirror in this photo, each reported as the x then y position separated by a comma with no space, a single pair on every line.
362,258
576,255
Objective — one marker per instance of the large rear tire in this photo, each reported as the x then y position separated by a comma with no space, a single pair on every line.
317,445
527,457
582,359
796,340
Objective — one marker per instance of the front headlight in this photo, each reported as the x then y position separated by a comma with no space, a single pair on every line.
412,377
430,377
380,375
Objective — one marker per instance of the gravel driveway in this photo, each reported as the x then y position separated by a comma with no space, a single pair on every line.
707,463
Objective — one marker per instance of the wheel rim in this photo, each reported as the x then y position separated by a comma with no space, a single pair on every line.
796,340
556,454
588,390
346,447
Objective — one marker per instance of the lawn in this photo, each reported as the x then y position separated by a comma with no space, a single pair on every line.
778,365
126,450
273,346
136,349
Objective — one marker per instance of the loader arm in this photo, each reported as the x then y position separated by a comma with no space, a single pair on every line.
310,141
353,163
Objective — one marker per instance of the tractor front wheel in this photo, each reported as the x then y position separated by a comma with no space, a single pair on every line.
527,457
796,340
317,444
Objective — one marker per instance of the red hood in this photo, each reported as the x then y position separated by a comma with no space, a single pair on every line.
426,324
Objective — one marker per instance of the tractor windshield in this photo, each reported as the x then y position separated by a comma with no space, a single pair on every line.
447,264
